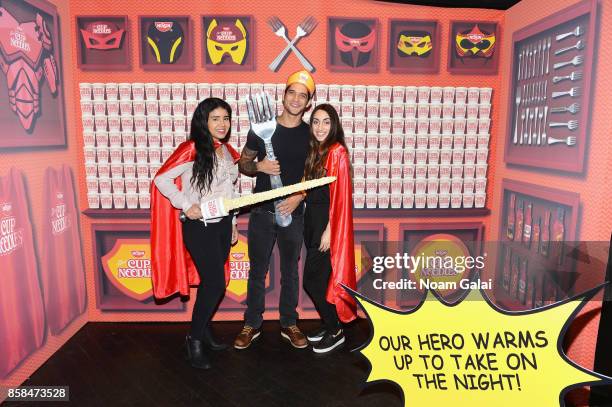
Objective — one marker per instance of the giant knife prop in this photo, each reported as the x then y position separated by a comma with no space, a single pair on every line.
262,115
218,207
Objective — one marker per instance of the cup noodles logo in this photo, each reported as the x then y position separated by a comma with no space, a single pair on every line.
11,237
226,35
135,268
60,222
138,253
101,28
128,267
163,26
19,40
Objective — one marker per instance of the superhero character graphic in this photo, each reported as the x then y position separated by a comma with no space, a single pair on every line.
355,41
102,35
475,43
26,55
414,43
166,40
226,39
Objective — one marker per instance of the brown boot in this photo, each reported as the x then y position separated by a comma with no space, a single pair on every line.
294,336
246,337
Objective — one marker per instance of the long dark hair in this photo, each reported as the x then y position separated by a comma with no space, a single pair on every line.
317,152
206,159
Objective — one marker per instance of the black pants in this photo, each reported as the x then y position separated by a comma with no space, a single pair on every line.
263,233
318,269
209,247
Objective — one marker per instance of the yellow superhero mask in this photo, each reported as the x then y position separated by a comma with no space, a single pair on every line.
475,43
414,43
226,39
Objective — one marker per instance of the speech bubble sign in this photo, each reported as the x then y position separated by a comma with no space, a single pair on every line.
472,353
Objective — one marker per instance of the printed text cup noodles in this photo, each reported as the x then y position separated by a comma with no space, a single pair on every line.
423,126
138,91
471,140
125,108
85,91
359,94
468,185
231,91
445,171
409,155
461,95
422,110
371,185
445,185
398,94
435,126
103,170
114,138
359,200
457,171
144,200
484,110
385,94
470,156
151,91
473,94
468,200
384,155
397,140
410,126
483,125
479,200
457,156
460,111
420,185
191,91
346,93
423,92
408,170
446,141
384,185
99,108
448,94
396,185
480,185
485,95
411,94
444,200
432,200
459,141
333,93
407,201
420,200
481,170
384,110
433,170
359,170
371,200
396,201
435,110
203,91
383,200
472,110
482,155
456,199
125,91
460,125
410,110
436,94
448,110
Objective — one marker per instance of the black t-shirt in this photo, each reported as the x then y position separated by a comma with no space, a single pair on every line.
290,146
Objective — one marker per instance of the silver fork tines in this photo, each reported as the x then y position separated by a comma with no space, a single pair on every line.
571,125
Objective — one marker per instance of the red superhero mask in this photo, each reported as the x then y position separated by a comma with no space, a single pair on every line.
347,44
102,35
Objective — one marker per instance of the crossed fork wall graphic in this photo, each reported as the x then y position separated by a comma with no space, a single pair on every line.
302,30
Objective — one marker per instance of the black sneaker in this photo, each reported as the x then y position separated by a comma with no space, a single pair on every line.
329,342
316,336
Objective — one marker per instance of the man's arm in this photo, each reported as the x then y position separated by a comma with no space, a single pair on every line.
246,164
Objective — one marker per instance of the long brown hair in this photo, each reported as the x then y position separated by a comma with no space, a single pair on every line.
317,152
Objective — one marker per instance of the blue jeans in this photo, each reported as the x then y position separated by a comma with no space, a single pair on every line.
263,233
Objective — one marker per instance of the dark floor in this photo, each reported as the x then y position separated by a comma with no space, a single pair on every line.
142,364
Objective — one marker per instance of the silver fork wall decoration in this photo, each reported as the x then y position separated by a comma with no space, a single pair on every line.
303,29
262,115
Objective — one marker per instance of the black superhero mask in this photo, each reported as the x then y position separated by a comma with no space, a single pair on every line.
166,40
355,41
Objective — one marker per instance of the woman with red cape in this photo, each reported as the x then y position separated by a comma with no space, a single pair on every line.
328,230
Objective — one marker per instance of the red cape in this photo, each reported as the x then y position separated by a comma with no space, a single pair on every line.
342,245
172,269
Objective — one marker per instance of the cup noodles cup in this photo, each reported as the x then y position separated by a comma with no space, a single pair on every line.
423,110
115,154
457,156
457,170
114,138
383,200
191,91
372,124
407,200
468,200
472,111
435,110
93,200
371,185
435,126
131,200
359,170
481,170
128,155
166,123
383,185
423,94
155,154
470,140
483,140
89,139
204,90
142,169
408,170
143,184
481,155
144,200
359,109
86,107
445,171
359,185
142,155
130,185
432,185
138,91
410,126
444,185
468,185
479,200
333,93
410,110
112,107
372,139
216,89
359,140
359,155
372,155
461,95
384,110
421,155
153,122
455,200
397,140
167,139
371,201
396,155
470,155
85,90
385,94
448,109
395,171
385,126
420,200
409,155
359,92
88,123
346,109
118,185
410,141
398,93
164,91
90,154
231,91
384,156
106,200
448,94
485,95
459,141
473,94
484,110
150,91
141,138
153,168
396,185
140,123
105,184
151,106
103,170
422,141
129,170
483,125
480,185
436,93
433,170
101,138
411,94
97,91
422,126
346,92
179,123
446,155
460,125
99,108
116,170
396,201
166,152
359,200
125,108
397,110
125,91
432,200
372,109
420,185
433,155
446,141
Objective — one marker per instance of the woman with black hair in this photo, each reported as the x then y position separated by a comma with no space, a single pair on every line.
328,230
195,252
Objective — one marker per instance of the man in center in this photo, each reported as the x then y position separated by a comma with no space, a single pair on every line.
290,144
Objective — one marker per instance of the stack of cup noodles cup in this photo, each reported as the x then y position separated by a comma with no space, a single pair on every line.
411,146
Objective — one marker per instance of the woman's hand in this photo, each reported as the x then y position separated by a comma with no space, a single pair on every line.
325,240
194,213
234,234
